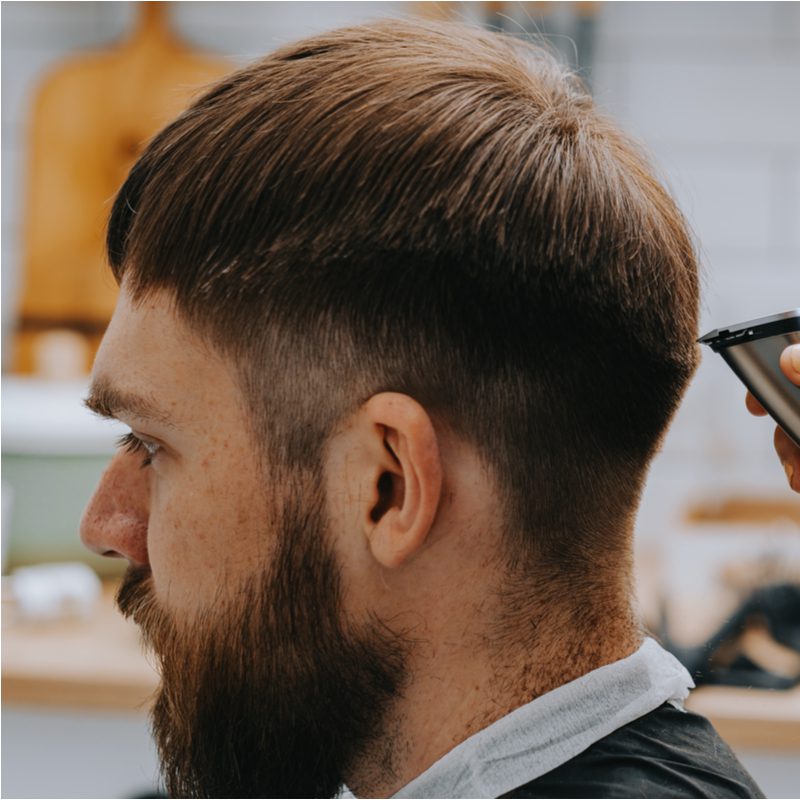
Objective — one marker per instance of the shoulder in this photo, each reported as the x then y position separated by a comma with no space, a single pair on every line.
666,753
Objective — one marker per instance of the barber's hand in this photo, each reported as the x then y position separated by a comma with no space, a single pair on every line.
787,450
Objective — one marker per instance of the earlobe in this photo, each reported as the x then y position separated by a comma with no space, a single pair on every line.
406,478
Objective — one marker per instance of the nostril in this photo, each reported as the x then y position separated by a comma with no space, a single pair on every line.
112,554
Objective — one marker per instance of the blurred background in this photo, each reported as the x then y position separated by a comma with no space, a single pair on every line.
712,91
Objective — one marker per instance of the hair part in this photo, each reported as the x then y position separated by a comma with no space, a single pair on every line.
441,211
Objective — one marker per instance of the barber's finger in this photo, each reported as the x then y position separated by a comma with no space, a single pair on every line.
789,454
753,406
790,363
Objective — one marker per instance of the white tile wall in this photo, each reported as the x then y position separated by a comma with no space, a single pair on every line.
661,20
721,102
248,30
53,25
13,155
712,88
792,207
787,23
727,200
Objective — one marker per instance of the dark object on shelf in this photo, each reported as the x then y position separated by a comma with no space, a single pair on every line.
732,656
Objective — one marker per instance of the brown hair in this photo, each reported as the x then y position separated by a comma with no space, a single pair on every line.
441,211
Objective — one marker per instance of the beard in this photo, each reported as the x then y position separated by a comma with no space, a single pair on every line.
268,693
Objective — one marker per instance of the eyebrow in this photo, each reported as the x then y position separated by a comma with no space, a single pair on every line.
110,402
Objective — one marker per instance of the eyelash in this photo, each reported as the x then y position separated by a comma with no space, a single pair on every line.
131,443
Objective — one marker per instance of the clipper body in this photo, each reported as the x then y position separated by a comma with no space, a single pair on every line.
752,350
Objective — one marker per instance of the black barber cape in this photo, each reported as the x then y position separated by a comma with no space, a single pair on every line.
666,753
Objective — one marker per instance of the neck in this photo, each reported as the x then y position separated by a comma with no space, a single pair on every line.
465,683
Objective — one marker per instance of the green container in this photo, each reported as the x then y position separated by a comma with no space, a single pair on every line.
54,452
49,495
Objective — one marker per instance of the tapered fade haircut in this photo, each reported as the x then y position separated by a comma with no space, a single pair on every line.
440,211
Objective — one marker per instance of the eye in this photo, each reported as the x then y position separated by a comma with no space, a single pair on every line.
131,443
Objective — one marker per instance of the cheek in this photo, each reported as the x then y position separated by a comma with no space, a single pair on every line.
207,532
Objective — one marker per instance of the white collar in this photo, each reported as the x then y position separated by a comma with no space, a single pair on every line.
547,732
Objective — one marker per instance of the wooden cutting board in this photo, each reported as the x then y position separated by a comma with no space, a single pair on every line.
90,120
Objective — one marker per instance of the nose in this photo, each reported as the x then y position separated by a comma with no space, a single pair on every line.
115,520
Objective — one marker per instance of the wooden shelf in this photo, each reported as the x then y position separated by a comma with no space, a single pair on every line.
751,718
94,663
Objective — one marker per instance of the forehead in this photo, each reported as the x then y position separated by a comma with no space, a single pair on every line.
149,353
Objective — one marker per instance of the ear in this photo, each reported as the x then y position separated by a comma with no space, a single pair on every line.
402,477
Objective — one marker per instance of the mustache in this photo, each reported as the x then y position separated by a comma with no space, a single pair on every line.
135,592
137,601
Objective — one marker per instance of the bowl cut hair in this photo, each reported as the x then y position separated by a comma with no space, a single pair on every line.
440,211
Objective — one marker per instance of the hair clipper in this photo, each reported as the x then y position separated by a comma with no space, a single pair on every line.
752,350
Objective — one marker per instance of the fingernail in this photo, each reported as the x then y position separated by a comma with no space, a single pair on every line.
794,353
789,470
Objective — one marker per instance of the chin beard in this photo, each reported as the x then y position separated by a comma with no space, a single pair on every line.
269,693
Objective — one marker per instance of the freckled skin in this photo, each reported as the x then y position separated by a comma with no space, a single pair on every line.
119,512
198,514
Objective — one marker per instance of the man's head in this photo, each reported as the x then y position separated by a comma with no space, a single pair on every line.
427,312
267,686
